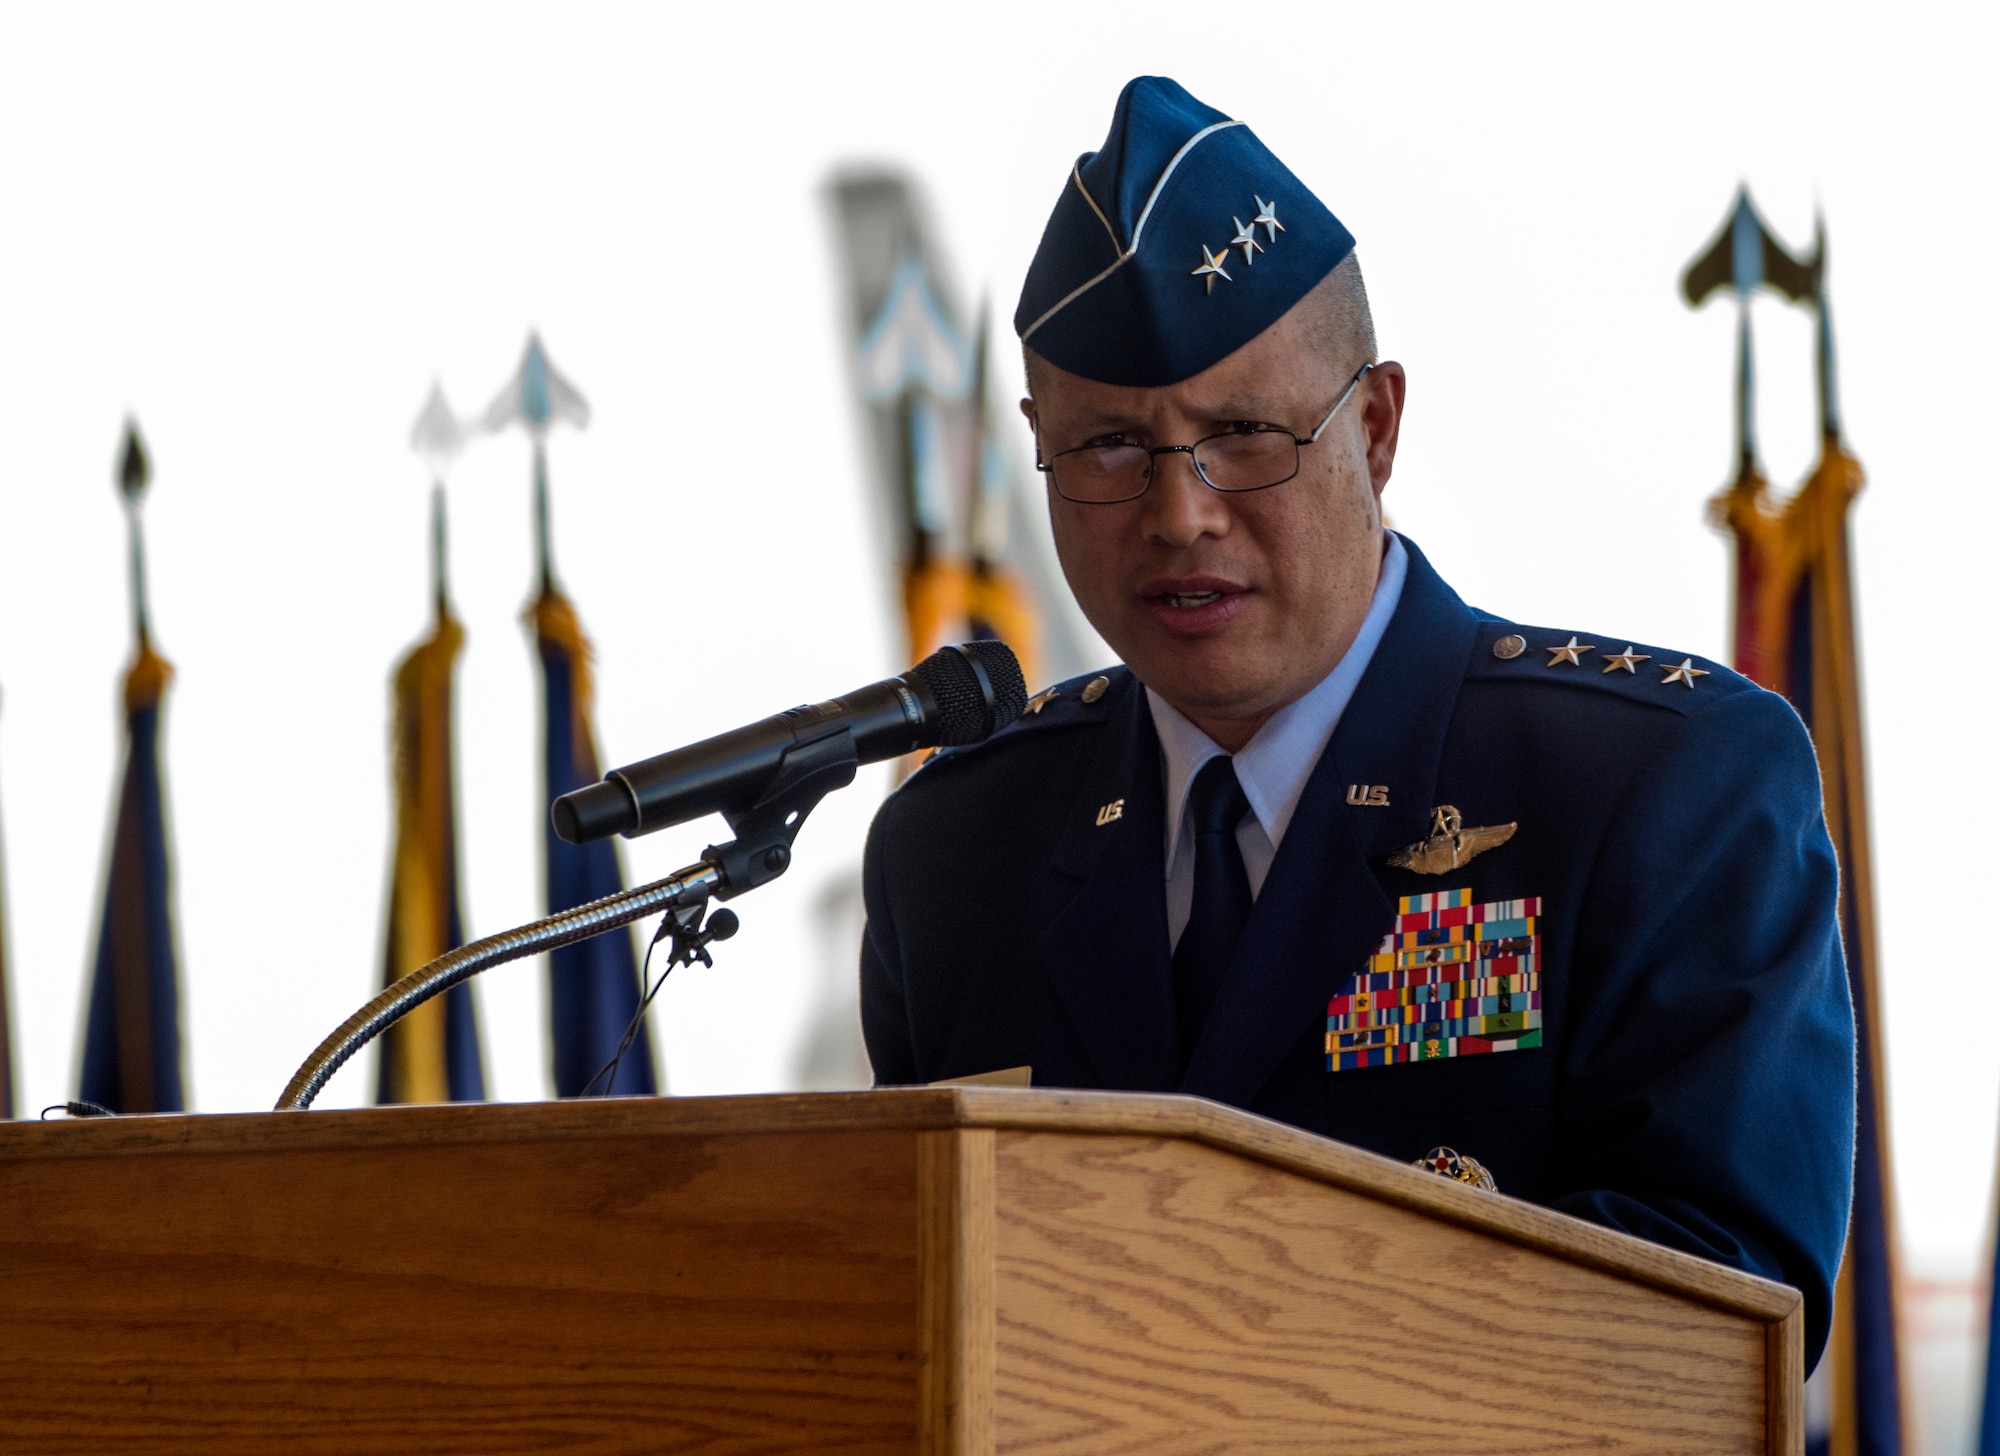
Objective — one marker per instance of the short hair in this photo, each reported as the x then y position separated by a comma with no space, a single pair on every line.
1338,324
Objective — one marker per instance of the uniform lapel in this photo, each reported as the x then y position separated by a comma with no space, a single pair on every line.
1105,946
1322,909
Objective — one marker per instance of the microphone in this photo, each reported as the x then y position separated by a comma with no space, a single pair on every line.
957,695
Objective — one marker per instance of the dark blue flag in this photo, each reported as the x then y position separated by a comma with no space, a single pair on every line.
6,1026
132,1032
594,984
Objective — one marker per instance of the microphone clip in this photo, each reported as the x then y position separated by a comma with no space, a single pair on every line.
762,850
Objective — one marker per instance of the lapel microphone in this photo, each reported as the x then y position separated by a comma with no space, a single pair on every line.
958,695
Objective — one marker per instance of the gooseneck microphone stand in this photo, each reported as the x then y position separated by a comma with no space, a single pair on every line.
761,851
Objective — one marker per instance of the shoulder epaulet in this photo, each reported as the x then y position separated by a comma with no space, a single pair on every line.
1553,657
1075,703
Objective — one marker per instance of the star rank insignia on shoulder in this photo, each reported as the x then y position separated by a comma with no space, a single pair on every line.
1687,672
1567,656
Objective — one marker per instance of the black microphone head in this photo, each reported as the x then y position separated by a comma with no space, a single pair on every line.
978,687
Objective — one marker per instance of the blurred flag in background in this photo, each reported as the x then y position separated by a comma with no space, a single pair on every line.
132,1029
6,1024
966,558
1794,634
432,1054
594,984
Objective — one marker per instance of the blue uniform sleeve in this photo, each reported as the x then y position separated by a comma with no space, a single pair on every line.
885,1023
1709,1065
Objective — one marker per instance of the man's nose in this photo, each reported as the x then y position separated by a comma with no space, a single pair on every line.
1179,506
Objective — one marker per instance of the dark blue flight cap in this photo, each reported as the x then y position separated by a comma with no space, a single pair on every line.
1172,246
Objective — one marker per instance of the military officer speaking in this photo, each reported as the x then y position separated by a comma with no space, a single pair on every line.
1545,907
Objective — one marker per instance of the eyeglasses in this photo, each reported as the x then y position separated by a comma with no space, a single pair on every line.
1235,461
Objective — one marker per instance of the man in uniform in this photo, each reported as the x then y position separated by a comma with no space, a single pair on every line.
1333,846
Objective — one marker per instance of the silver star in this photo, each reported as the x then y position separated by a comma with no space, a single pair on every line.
1571,652
1687,672
1267,218
1628,659
1246,239
1212,266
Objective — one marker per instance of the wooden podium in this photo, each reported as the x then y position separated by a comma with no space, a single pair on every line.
945,1271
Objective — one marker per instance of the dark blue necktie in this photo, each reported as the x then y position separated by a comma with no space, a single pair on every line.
1221,898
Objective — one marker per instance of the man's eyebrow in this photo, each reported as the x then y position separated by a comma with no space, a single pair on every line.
1234,407
1240,407
1097,422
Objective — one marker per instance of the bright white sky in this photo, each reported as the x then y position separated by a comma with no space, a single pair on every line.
265,229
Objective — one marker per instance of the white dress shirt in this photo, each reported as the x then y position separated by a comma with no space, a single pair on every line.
1273,766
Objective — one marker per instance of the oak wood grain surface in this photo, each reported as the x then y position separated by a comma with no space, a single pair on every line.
746,1275
755,1293
1163,1297
955,1215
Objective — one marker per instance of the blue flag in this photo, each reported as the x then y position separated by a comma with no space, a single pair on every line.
6,1026
132,1032
594,984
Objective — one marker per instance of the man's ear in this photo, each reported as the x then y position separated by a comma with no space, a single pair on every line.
1382,419
1028,409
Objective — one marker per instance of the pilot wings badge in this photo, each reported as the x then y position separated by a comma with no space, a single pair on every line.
1449,844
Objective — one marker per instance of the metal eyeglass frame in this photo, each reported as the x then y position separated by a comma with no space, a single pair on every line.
1048,467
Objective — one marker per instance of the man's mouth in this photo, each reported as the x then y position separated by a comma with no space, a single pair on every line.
1192,605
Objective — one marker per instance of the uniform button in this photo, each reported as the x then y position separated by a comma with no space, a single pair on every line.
1095,689
1510,646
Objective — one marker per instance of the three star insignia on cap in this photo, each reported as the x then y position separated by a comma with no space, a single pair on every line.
1628,659
1687,672
1212,266
1246,238
1570,652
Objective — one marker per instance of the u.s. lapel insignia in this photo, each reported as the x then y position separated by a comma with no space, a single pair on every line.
1041,700
1111,812
1449,844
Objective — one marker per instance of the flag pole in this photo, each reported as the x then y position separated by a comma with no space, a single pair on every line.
1794,629
132,1048
435,1055
595,999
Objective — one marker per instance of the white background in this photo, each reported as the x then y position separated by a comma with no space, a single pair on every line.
264,230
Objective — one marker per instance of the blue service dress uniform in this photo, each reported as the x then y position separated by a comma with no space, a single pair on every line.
1665,911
